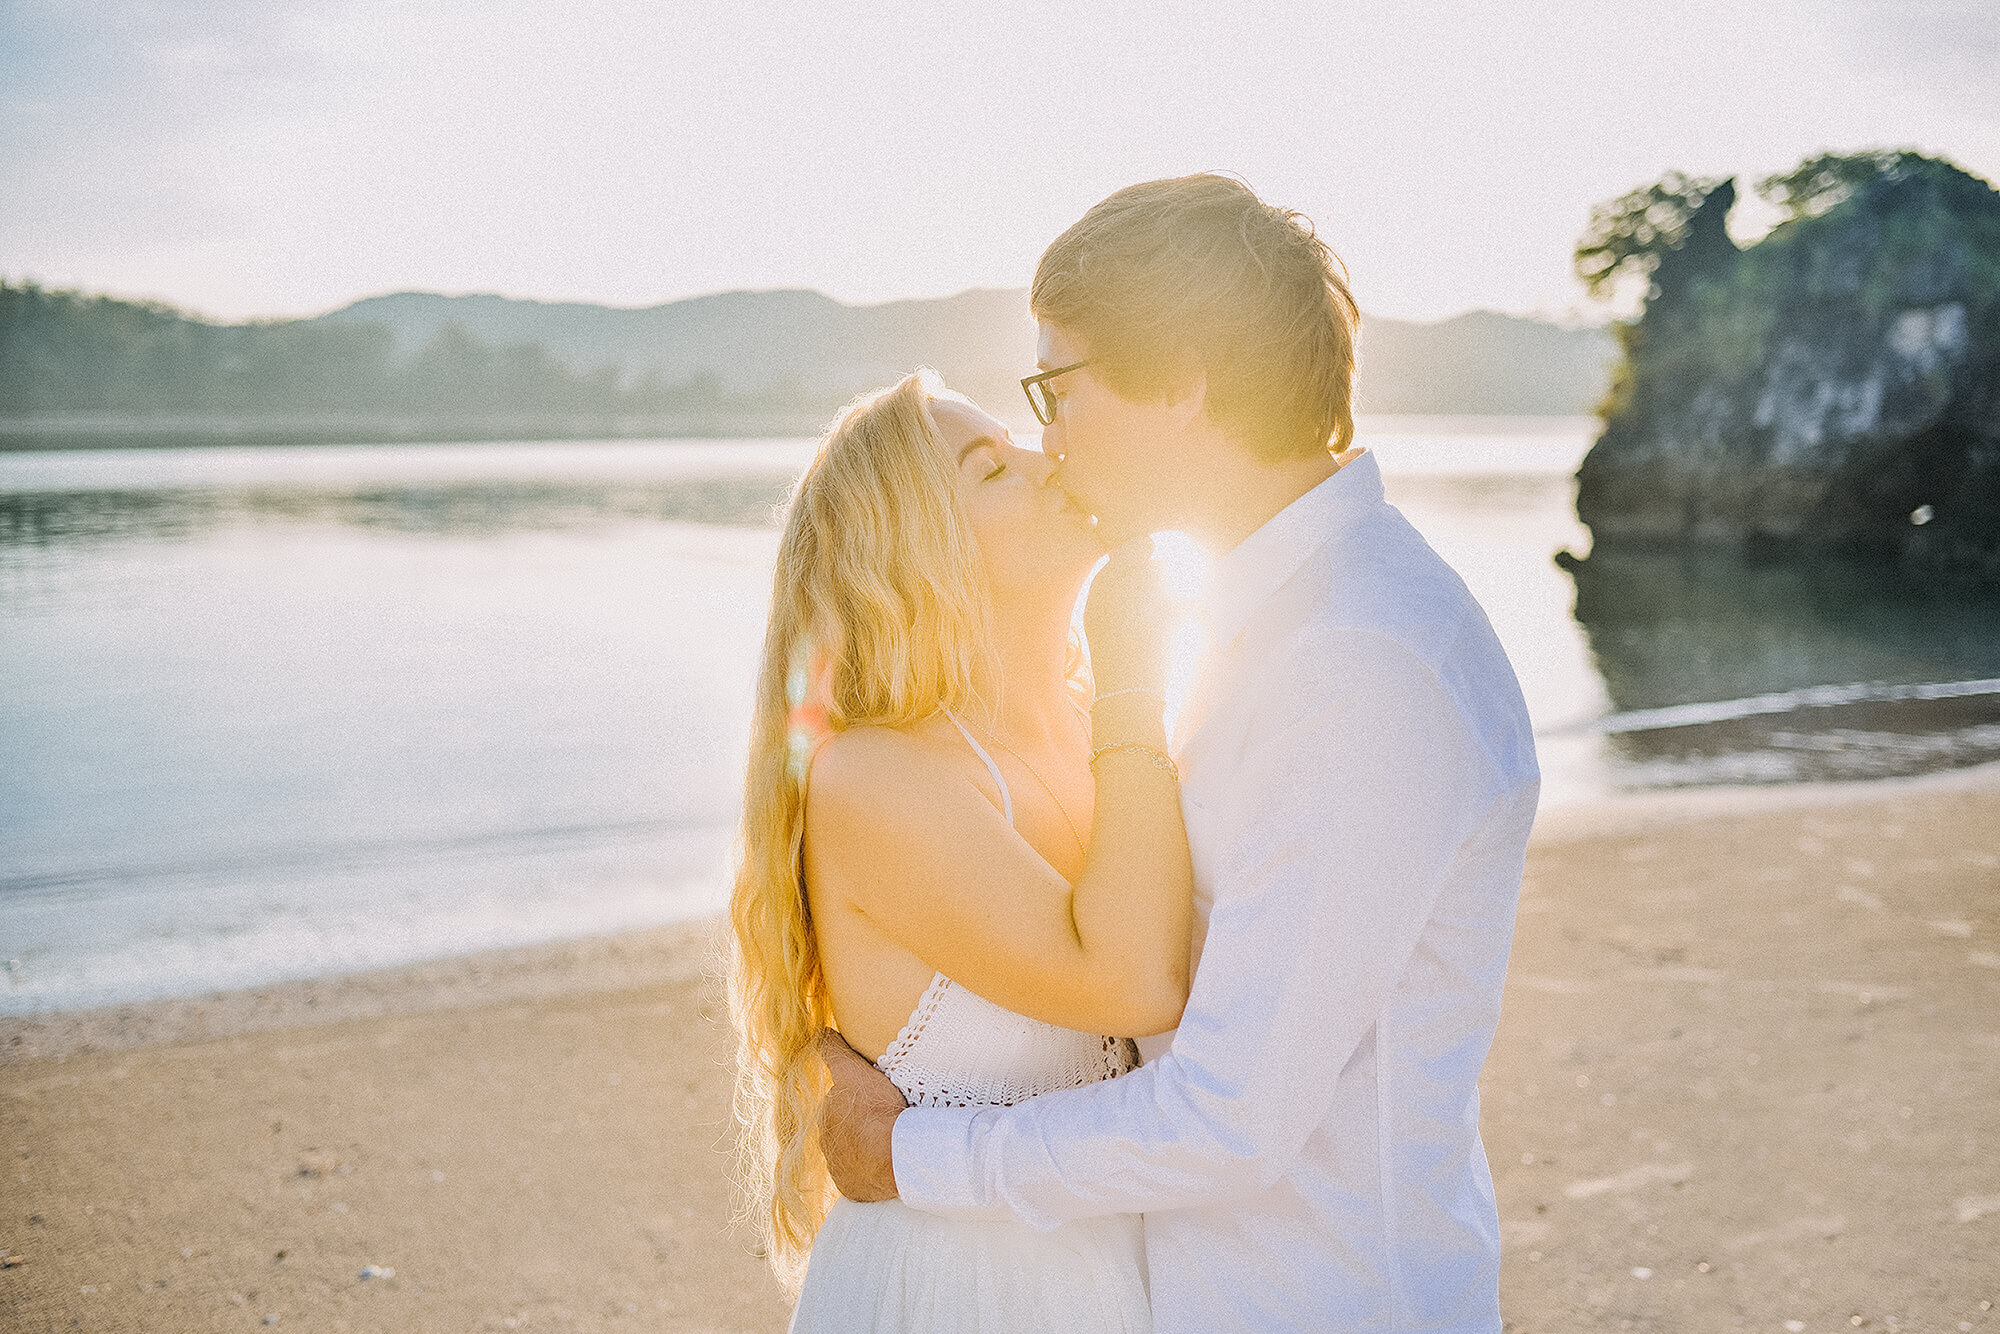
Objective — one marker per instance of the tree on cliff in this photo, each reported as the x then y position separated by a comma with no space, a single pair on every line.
1820,183
1833,388
1674,226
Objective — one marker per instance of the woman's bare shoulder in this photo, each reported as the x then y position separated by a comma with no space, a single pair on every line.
867,770
855,756
887,808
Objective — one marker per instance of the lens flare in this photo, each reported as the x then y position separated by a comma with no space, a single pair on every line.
805,695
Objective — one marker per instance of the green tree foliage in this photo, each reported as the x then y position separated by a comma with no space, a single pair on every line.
1631,234
1819,183
1813,390
1869,235
65,353
1867,232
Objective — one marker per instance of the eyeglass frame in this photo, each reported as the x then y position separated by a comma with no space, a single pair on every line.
1029,383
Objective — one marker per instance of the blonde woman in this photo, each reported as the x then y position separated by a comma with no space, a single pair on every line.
970,866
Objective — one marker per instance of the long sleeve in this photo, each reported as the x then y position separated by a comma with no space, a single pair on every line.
1344,821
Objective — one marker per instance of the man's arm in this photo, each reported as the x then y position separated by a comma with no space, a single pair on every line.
1351,818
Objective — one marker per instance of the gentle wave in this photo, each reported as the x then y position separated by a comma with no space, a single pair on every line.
382,852
1782,701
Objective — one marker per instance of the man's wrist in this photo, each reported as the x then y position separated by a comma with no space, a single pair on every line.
887,1183
936,1166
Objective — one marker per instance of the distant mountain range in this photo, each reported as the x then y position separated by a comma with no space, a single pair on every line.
795,346
78,369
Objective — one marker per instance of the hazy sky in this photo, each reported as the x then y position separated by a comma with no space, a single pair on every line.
264,157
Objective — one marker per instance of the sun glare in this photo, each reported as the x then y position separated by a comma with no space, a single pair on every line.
1185,567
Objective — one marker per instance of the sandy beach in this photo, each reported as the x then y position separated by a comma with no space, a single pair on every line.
1748,1077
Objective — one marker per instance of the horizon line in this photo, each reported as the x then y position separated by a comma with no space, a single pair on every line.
1564,322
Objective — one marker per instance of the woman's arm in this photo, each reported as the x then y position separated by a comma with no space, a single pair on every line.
934,867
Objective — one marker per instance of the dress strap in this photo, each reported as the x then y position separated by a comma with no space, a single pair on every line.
1006,797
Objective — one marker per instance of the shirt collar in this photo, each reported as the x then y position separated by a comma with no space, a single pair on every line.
1243,579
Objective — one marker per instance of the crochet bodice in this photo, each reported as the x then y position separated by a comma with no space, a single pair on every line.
961,1050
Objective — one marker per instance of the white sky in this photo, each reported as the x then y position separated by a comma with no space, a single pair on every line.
267,157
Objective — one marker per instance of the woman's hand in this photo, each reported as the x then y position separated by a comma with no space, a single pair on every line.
1127,620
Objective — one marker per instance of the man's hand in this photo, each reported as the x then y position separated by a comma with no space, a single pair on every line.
856,1122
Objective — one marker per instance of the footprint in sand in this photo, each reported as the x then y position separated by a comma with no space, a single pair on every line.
1681,972
1794,1230
1555,986
1975,1207
1645,1174
1865,992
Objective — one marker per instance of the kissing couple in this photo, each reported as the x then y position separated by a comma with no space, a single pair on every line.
1050,1020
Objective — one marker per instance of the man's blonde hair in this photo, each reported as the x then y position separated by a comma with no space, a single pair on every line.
1195,275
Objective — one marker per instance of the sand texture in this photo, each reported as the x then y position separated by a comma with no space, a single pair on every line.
1748,1077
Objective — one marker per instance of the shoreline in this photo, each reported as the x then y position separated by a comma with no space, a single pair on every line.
677,953
1644,810
695,947
124,430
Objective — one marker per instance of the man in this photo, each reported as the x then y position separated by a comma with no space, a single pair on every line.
1358,781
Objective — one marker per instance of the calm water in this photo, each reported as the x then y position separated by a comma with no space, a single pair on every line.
272,712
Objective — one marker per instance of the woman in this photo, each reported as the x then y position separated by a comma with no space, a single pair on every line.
981,877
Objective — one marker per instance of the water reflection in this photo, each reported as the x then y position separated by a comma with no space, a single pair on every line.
1672,629
269,712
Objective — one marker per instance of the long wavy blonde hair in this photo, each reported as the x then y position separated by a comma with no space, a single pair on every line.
880,615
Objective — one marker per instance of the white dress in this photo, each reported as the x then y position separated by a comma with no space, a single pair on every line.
885,1268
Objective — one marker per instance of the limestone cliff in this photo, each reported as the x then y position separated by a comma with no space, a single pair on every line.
1833,388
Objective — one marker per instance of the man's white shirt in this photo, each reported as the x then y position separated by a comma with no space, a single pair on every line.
1358,780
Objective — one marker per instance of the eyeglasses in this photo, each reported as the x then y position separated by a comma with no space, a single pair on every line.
1042,398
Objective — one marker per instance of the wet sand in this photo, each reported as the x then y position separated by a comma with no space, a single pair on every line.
1748,1077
